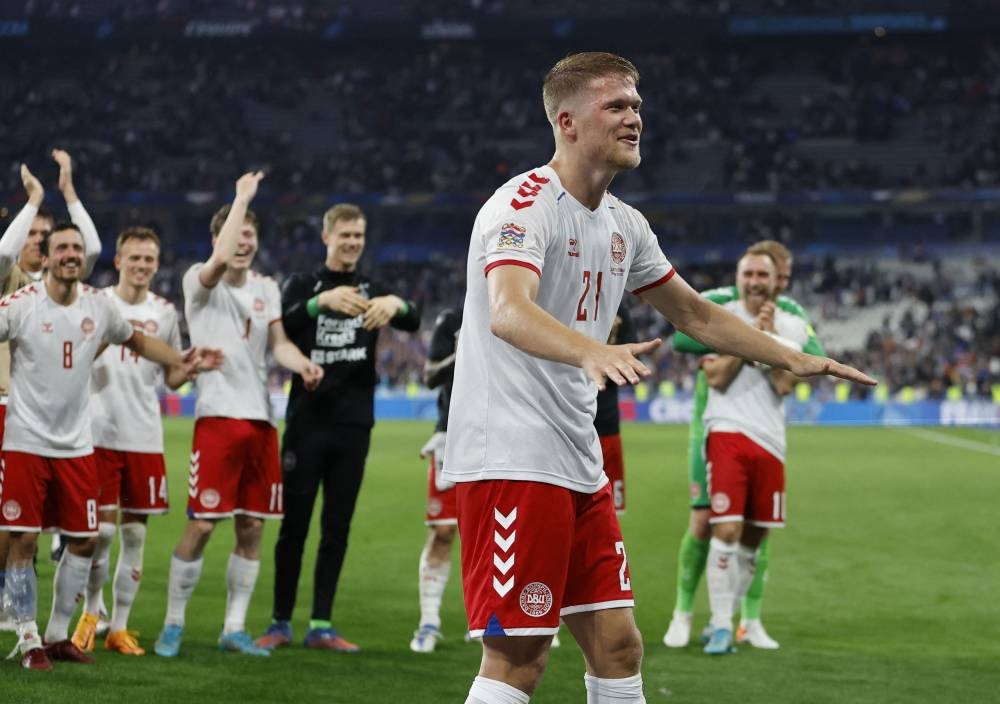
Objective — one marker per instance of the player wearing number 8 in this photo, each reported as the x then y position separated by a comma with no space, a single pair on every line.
50,480
128,440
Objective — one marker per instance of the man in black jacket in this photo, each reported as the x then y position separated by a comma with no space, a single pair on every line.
334,314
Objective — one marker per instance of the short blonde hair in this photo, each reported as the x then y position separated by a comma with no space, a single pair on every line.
574,73
341,211
772,248
143,234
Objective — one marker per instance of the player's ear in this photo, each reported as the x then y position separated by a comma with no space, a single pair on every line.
118,262
566,123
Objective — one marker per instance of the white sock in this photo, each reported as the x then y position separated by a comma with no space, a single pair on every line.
746,565
127,574
184,578
433,580
70,581
27,636
241,576
99,569
485,691
627,690
21,593
721,577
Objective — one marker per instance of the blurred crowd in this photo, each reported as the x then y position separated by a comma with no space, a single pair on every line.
426,117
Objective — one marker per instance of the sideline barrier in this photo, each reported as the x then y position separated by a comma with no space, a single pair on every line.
974,412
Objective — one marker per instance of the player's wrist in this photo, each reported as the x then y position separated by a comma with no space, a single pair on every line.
313,305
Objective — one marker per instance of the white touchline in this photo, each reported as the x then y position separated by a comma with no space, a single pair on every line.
945,439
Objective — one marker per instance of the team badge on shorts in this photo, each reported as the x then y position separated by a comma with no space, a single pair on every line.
720,502
434,507
12,510
536,599
210,498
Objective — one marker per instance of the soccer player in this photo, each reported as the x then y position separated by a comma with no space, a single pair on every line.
334,313
695,543
128,440
442,511
745,446
550,257
234,469
607,418
50,480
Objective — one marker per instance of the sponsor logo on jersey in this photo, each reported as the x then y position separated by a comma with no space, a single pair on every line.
11,510
87,325
151,327
536,599
434,507
210,498
574,247
511,236
720,502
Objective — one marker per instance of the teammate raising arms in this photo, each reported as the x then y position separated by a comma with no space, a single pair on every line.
550,257
128,440
50,479
234,468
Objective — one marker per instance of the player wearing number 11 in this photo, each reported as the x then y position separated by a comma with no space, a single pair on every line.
550,257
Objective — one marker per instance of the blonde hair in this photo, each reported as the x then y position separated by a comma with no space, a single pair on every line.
341,211
574,73
143,234
772,248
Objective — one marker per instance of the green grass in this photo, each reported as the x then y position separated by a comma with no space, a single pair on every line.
882,588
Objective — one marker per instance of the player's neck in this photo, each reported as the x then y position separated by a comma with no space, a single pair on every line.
35,273
585,182
61,292
235,277
340,267
131,294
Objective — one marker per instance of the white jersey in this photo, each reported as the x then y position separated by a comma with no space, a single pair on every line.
237,321
749,405
52,354
125,407
514,416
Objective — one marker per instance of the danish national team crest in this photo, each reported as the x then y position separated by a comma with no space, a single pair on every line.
536,599
210,498
150,327
11,510
87,326
720,502
617,248
258,304
574,247
511,236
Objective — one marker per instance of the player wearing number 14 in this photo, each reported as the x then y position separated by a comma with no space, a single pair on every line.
128,440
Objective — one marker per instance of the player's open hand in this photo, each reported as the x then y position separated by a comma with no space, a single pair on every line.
209,358
312,375
619,363
246,186
344,299
810,365
381,310
32,186
65,162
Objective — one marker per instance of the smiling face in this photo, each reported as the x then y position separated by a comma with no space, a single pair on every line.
246,248
603,123
65,255
757,281
137,262
345,242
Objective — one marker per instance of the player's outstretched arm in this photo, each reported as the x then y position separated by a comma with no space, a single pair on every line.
722,331
721,370
288,355
516,319
229,236
17,231
77,213
196,360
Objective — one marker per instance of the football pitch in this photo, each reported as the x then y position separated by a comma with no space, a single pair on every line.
882,588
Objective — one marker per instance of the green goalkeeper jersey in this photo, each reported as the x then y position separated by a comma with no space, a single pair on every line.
696,431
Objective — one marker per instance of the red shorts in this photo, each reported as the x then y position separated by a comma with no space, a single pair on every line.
533,552
3,421
137,481
49,492
234,469
614,467
745,481
442,506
